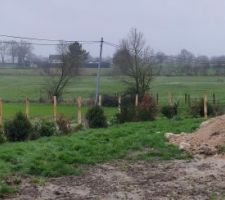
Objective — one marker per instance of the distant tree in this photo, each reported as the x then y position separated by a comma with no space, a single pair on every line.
202,65
218,64
135,59
24,51
160,58
76,56
72,58
3,50
12,50
185,61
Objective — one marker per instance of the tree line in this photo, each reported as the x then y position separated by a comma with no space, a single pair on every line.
186,63
19,53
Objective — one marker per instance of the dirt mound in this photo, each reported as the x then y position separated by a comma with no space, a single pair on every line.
208,139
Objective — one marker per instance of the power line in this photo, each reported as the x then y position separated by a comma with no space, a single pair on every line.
47,40
45,44
112,44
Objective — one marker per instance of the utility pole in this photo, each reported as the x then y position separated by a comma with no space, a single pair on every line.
98,72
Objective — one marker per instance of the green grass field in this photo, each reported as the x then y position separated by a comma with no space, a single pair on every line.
17,84
45,111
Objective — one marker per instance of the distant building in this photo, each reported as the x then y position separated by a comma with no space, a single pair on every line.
56,59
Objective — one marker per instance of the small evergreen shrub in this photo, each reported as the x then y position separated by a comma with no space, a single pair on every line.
2,135
127,109
18,129
127,114
45,128
96,118
110,101
170,111
64,125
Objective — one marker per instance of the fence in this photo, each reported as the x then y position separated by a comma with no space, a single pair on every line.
187,100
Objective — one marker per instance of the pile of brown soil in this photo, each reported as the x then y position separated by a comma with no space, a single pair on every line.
207,140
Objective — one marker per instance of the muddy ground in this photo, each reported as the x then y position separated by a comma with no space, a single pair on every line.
196,179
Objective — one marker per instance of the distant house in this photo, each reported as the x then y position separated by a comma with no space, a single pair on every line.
56,59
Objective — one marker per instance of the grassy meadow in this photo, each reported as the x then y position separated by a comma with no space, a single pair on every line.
17,84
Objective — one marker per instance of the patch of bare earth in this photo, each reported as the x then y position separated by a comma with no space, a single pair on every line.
205,140
196,179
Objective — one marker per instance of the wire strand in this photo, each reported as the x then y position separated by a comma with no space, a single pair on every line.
47,40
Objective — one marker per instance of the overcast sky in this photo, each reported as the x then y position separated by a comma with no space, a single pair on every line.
168,25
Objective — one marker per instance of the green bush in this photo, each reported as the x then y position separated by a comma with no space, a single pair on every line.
147,110
127,114
170,111
96,118
218,109
64,125
45,129
197,109
2,135
110,101
18,129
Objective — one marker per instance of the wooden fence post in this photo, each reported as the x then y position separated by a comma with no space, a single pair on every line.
27,108
157,98
170,99
189,99
119,104
55,108
1,111
206,105
185,98
100,100
214,98
136,100
79,104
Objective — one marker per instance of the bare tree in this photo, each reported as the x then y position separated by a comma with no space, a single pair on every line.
135,59
12,50
24,50
3,50
71,58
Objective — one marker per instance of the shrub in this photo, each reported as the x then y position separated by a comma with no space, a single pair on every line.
197,109
110,101
18,129
45,129
64,125
96,118
127,114
218,109
147,110
127,100
170,110
2,135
